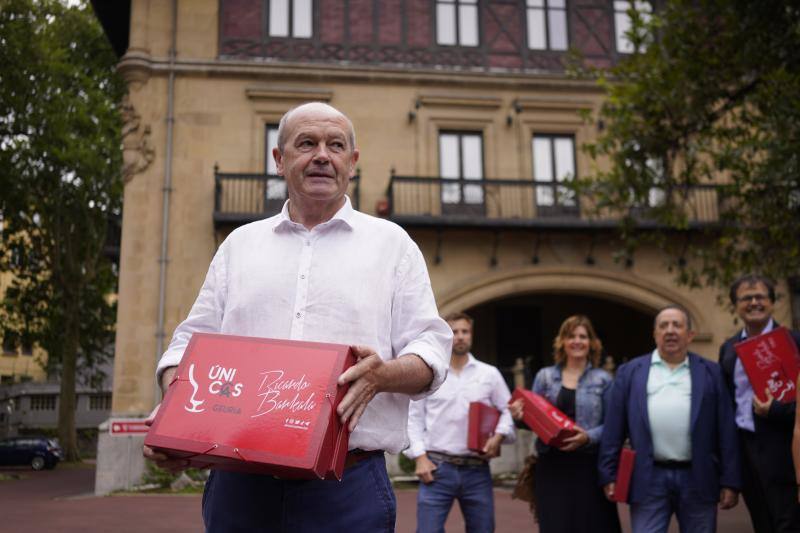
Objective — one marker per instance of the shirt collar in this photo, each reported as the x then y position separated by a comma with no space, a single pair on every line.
770,327
344,217
656,359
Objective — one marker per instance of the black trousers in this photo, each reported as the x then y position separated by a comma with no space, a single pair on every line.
773,507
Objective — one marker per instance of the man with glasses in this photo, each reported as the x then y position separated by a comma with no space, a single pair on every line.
765,428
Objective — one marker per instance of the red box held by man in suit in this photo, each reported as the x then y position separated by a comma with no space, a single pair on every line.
627,458
482,423
256,405
549,423
771,362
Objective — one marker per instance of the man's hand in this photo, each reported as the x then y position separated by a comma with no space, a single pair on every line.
366,380
762,408
728,498
516,408
492,447
581,438
608,490
424,469
162,460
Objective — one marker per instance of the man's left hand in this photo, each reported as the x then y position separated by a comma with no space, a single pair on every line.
492,447
728,498
762,408
581,438
365,382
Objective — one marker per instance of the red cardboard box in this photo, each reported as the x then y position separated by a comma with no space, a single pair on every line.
548,422
256,405
627,458
482,423
771,361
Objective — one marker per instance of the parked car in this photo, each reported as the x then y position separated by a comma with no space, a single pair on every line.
39,452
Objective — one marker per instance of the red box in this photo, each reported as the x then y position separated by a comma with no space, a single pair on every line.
482,423
256,405
549,423
627,458
770,361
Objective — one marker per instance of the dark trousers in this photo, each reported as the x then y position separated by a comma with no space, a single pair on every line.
773,507
362,502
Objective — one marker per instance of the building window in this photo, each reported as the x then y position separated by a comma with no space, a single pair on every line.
27,348
6,379
291,18
43,402
9,347
554,163
457,22
623,23
547,24
461,158
275,191
100,402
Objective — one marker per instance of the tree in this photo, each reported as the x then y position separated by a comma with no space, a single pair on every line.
712,95
60,183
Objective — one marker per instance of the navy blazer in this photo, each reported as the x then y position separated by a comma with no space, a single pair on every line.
715,449
774,432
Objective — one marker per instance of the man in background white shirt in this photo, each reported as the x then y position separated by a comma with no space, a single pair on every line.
321,271
437,429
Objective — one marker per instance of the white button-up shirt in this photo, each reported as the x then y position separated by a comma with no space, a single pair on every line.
439,422
355,279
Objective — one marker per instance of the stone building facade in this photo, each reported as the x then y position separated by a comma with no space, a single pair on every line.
466,121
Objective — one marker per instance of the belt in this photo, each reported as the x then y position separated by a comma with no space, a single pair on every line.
357,455
673,464
458,460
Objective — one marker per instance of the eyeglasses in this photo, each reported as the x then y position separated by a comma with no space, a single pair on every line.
757,298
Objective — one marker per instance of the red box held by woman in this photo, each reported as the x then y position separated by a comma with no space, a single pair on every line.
256,405
771,362
544,419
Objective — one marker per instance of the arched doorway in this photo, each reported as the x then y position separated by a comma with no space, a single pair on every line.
518,312
524,326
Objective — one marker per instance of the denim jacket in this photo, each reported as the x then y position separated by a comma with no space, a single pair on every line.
593,386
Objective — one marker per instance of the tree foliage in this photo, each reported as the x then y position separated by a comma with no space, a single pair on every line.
60,183
712,96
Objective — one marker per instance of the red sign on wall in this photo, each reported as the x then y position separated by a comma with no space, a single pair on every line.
127,426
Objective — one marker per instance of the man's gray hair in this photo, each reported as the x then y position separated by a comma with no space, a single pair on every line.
285,119
677,307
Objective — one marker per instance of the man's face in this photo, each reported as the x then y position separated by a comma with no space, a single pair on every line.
318,160
671,333
462,336
753,304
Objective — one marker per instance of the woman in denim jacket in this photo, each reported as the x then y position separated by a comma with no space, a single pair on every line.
569,498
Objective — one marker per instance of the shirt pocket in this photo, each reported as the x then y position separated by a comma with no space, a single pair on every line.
480,390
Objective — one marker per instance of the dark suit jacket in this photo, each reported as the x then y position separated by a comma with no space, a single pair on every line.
715,450
773,432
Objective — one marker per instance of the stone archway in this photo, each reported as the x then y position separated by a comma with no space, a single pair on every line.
626,289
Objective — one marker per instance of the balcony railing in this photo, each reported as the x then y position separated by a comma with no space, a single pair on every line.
243,198
505,203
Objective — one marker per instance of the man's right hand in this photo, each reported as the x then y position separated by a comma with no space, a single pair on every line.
609,491
161,459
425,468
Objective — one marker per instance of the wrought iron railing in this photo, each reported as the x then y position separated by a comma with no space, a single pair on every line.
522,203
241,198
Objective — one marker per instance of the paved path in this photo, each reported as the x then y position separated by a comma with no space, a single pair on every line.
61,500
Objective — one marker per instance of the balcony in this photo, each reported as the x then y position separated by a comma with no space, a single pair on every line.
243,198
521,204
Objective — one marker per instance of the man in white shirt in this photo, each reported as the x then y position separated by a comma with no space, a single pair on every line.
437,429
321,271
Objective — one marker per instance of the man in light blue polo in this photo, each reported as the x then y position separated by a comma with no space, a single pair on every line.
675,408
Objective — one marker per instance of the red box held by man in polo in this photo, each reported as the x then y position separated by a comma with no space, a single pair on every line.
256,405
